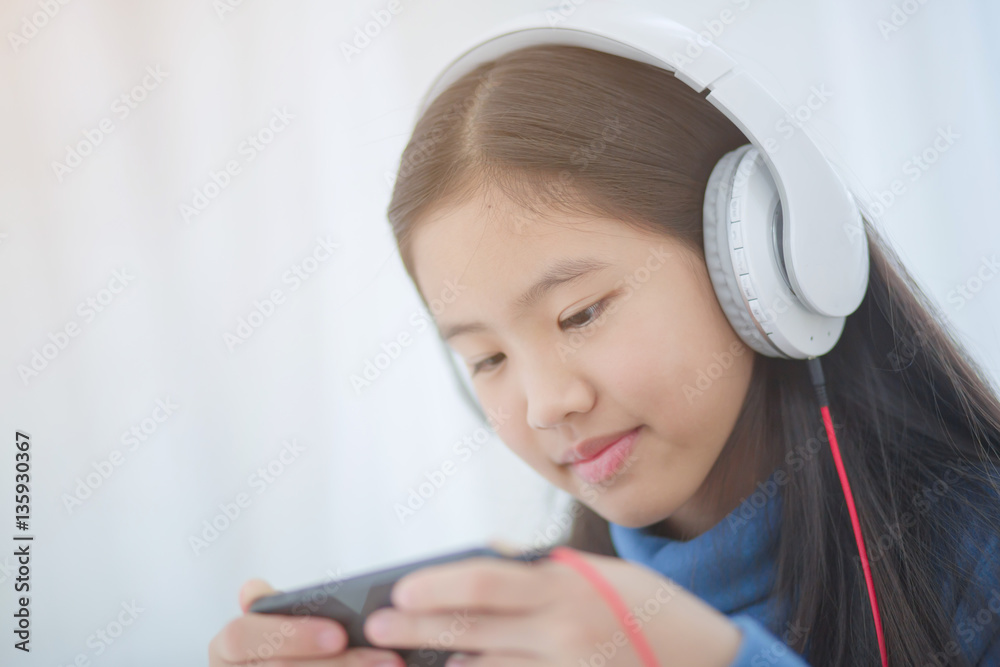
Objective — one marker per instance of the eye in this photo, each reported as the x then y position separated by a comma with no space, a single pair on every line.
590,314
482,364
594,311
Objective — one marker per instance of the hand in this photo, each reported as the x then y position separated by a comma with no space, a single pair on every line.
261,638
546,613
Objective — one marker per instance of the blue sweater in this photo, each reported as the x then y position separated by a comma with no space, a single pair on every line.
731,567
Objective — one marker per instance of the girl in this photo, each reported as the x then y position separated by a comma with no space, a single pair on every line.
555,195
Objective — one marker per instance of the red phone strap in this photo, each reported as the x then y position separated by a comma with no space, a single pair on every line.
610,595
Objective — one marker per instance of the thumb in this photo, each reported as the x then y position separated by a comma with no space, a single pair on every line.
505,547
253,589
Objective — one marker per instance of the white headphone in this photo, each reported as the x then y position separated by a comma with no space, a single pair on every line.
785,246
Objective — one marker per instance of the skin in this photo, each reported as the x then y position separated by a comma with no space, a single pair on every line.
497,612
624,368
633,365
302,640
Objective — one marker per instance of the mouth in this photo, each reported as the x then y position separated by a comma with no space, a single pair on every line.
608,461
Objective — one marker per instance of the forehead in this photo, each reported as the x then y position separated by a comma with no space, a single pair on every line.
495,247
474,260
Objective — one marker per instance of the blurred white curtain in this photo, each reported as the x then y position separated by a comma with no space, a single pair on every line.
195,261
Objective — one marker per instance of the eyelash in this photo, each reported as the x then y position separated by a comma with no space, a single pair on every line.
596,309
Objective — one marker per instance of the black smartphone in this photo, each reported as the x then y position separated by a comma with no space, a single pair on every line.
349,601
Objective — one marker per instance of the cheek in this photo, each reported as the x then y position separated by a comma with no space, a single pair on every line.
643,360
676,371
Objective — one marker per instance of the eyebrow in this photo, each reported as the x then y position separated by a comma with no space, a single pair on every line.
563,271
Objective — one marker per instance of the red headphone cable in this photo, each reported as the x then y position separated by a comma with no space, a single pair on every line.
570,557
642,647
819,383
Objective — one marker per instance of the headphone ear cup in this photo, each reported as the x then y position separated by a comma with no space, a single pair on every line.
718,194
744,236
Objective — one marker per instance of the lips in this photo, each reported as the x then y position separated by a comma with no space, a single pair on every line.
590,448
607,463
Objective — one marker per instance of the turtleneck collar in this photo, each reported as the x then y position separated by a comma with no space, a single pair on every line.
730,566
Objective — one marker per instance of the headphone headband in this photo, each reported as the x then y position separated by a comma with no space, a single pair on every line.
824,245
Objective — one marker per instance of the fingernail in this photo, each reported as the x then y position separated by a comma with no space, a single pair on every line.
387,662
402,596
380,626
329,639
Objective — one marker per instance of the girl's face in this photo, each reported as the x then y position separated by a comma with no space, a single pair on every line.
559,355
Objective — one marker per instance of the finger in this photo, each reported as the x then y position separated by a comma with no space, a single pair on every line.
498,660
475,583
254,637
253,589
462,630
505,547
355,657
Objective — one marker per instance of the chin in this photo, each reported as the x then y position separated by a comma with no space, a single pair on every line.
628,519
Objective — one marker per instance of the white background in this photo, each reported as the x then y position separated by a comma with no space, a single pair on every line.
331,510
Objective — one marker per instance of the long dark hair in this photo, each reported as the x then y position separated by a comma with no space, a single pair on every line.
918,422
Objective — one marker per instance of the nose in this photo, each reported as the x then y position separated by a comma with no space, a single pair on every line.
554,389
